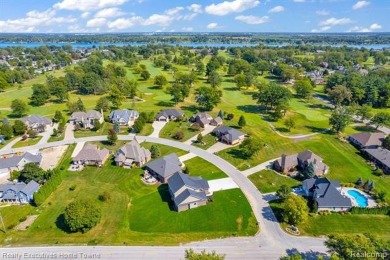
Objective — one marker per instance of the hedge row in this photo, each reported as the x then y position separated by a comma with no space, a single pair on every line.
373,211
48,188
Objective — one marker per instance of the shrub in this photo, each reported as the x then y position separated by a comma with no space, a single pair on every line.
44,192
81,215
106,196
371,211
230,116
179,135
195,127
72,187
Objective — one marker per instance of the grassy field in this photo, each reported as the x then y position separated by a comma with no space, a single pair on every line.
200,167
268,181
135,214
171,128
208,141
316,225
27,142
164,150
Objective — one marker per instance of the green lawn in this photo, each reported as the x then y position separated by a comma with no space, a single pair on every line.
12,215
146,130
208,141
27,142
171,128
268,181
136,214
164,150
200,167
316,225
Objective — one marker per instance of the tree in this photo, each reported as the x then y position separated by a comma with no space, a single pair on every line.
214,79
145,74
241,121
116,127
178,92
271,95
208,97
179,135
340,94
72,107
230,116
249,147
58,117
19,127
112,137
240,81
116,97
32,172
190,254
350,247
295,209
31,133
19,107
57,88
386,142
80,105
339,119
221,114
7,131
380,119
283,191
155,151
40,95
364,112
81,216
303,88
160,80
138,125
309,171
96,124
55,132
103,104
199,138
289,123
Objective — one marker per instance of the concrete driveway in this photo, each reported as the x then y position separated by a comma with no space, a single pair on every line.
69,131
46,135
157,126
218,147
222,184
207,129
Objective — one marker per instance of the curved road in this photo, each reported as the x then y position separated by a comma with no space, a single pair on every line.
270,243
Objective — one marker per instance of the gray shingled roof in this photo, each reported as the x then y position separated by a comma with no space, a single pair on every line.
369,139
165,166
78,116
189,193
169,113
123,115
178,180
91,152
35,119
228,132
380,154
93,114
28,189
134,151
13,161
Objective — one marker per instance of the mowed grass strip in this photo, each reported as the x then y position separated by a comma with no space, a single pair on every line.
200,167
268,181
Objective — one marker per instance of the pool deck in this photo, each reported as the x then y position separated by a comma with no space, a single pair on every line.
370,200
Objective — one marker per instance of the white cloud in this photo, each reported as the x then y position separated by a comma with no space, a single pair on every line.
226,7
187,29
276,9
212,26
251,19
34,21
322,12
299,1
371,28
85,15
158,19
360,4
174,11
109,12
87,5
334,21
122,23
196,8
96,22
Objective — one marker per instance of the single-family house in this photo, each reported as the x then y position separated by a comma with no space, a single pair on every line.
17,163
124,117
188,192
327,194
163,168
300,160
169,114
380,156
201,118
132,153
86,119
367,140
91,155
37,123
228,135
216,121
19,192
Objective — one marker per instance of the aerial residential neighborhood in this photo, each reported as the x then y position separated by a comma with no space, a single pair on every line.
167,130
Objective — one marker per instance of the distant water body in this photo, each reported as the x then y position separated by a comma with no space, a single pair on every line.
184,44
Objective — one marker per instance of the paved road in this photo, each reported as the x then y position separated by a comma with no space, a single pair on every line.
271,241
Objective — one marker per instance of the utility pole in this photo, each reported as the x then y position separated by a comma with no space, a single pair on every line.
2,222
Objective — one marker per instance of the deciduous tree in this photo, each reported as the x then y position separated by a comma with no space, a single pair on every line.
81,215
295,209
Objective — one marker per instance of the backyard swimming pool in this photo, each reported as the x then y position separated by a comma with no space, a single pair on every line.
360,199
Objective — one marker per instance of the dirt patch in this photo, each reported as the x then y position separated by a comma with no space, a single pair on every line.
25,224
51,156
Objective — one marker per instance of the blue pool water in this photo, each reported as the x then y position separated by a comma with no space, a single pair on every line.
359,198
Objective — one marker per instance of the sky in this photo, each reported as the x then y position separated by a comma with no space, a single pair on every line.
99,16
